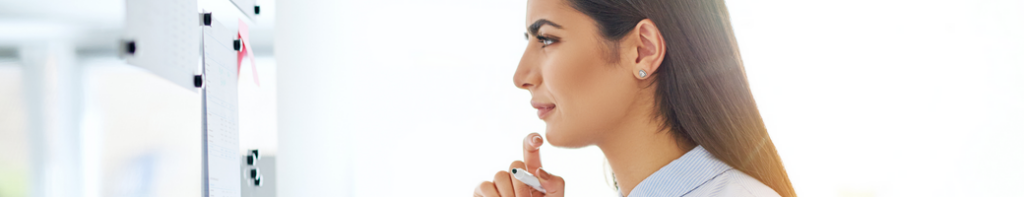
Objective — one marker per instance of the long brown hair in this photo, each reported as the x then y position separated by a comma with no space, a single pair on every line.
702,89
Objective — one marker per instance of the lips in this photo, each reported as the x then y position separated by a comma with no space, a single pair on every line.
543,109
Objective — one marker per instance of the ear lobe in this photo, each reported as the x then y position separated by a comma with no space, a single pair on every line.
650,46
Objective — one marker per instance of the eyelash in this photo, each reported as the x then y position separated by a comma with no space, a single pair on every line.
544,40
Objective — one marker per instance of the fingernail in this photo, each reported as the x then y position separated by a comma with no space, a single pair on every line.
543,174
536,141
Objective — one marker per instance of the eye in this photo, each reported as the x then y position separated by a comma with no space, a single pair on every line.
546,41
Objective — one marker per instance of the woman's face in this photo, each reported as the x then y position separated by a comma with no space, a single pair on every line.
580,90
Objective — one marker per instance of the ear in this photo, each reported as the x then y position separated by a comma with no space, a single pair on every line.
650,48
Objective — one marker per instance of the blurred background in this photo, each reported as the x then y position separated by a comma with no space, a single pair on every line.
414,98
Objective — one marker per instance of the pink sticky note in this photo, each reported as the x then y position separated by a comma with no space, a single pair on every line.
243,34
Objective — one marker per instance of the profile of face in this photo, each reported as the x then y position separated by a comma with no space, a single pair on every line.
583,85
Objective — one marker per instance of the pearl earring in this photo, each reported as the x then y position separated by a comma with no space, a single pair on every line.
643,73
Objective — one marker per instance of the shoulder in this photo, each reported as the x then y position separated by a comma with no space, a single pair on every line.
733,183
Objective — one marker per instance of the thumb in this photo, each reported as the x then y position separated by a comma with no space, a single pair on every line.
554,185
531,151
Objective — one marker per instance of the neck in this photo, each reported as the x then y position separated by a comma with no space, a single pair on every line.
639,150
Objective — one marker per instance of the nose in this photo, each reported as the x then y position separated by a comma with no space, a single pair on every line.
527,73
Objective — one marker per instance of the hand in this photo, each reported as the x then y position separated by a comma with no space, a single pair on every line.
504,185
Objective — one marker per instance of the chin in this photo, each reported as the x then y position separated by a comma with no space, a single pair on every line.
567,138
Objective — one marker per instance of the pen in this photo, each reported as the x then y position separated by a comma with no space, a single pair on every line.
527,178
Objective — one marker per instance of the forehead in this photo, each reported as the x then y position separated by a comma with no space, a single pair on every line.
557,11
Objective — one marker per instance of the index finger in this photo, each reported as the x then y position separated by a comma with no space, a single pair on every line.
531,151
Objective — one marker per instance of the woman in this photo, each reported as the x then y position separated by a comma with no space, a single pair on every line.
658,86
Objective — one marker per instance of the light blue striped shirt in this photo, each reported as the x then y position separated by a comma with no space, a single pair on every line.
698,173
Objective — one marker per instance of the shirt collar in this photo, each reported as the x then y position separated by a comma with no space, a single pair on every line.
681,175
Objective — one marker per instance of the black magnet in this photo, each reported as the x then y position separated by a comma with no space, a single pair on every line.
207,19
198,81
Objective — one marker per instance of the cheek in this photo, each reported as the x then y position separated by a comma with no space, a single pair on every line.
591,96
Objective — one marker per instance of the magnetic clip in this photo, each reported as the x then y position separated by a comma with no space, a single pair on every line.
198,81
130,47
254,155
207,19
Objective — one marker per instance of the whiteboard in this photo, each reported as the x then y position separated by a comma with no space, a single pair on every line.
165,35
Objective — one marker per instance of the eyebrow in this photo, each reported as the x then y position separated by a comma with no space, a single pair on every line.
539,23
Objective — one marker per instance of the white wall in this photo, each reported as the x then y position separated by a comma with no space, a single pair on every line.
862,98
374,97
890,98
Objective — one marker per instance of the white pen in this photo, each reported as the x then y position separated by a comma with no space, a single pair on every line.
528,178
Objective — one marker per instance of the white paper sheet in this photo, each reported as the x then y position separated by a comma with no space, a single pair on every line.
220,101
167,37
247,7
